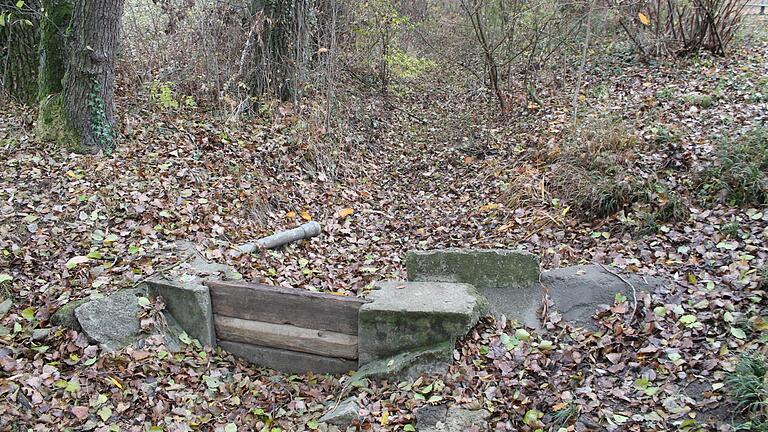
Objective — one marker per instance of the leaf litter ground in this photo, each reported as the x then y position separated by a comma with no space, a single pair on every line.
442,171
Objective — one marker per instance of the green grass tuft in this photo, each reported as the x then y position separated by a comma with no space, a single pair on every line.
748,386
738,176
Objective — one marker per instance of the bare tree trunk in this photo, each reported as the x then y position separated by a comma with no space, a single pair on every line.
20,38
56,17
283,48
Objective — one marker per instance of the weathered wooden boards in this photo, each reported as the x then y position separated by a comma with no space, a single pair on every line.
286,329
285,336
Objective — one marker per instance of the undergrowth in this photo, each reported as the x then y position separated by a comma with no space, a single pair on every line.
591,172
738,175
748,386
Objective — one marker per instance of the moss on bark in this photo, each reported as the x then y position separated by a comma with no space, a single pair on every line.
53,29
53,126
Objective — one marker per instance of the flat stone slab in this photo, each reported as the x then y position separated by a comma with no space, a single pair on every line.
578,291
405,316
409,365
189,301
509,279
483,268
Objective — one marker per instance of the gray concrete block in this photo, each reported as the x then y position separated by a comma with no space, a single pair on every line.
406,316
189,301
509,279
483,268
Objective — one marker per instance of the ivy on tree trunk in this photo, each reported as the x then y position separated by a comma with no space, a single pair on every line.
82,115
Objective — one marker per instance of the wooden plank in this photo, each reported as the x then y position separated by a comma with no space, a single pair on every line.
285,336
279,305
288,361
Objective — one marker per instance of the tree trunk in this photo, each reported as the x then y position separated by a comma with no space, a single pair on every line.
89,84
82,115
20,38
283,48
56,18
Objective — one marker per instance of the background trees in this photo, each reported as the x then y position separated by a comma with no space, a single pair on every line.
19,36
241,57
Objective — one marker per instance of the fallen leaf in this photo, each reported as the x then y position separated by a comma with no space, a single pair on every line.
343,213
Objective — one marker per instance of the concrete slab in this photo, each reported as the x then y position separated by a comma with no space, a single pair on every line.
483,268
404,316
189,301
509,279
578,291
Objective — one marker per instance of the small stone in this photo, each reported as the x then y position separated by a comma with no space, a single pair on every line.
112,321
450,419
431,415
344,414
65,315
5,306
40,333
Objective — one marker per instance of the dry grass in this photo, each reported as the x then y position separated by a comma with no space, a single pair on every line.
590,171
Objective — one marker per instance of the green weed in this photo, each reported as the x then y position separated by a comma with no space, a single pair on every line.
731,229
748,386
590,173
738,175
699,100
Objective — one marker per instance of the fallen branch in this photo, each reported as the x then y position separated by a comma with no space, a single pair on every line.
308,230
634,291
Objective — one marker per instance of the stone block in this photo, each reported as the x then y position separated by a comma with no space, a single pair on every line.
483,268
189,301
509,279
406,316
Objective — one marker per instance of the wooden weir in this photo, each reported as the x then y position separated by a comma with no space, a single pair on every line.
291,330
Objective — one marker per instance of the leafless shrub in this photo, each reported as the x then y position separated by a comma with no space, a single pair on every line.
681,27
195,45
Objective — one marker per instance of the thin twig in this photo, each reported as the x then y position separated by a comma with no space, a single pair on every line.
634,291
163,270
343,392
